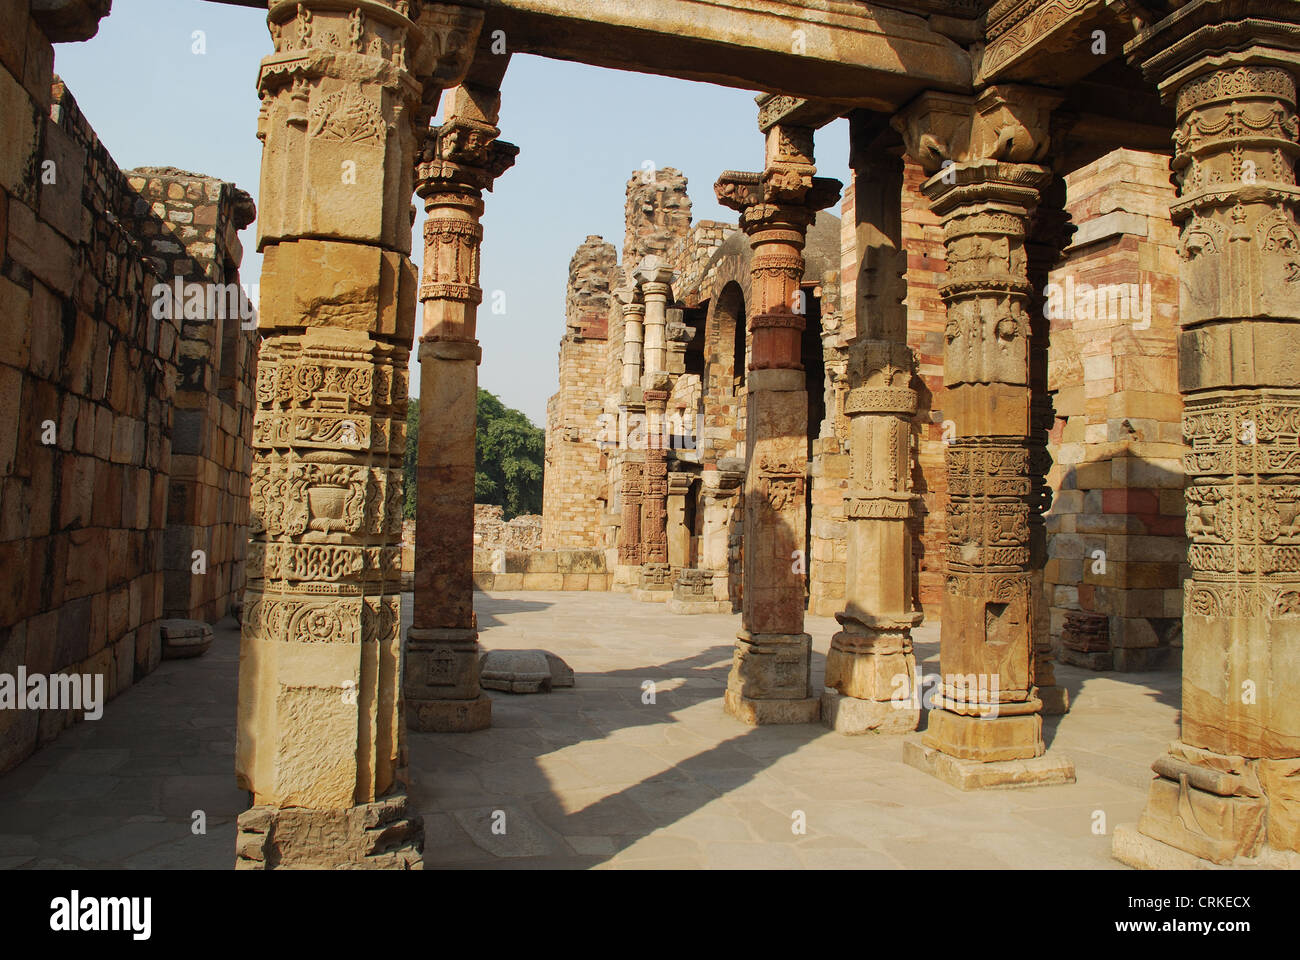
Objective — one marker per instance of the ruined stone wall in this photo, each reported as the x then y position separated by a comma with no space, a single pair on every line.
189,226
574,480
87,374
692,255
1116,542
657,215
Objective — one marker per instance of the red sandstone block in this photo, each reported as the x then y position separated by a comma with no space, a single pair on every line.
1162,526
1130,500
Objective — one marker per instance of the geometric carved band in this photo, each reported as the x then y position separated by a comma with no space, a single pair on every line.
880,507
1246,600
895,400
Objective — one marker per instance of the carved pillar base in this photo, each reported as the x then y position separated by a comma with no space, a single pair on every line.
768,682
442,682
871,677
654,583
1041,771
693,592
370,836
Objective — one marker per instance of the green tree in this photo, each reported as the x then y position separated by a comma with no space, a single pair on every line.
508,457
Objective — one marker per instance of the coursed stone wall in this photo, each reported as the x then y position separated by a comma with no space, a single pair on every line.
89,376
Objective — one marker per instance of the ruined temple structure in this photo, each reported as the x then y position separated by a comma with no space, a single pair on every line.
1037,384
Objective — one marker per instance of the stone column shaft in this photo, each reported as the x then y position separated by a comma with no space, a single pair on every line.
656,320
320,731
633,337
1229,787
985,157
460,159
770,678
871,657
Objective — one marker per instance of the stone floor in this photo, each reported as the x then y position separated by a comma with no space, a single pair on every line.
594,776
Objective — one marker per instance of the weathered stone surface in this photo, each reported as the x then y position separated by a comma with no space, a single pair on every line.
853,716
523,671
372,836
988,774
183,639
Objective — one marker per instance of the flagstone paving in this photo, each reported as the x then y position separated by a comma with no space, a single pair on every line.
636,766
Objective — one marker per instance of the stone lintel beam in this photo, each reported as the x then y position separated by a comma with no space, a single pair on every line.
1052,42
858,54
775,108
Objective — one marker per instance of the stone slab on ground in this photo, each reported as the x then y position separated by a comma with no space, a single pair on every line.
523,671
184,639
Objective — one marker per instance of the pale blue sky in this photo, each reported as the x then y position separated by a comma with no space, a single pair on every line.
582,131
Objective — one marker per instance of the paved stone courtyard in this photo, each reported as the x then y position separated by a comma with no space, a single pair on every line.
592,776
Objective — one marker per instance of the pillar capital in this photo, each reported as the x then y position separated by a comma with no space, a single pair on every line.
995,137
654,277
462,155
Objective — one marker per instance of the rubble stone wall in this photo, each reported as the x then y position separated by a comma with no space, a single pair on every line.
189,226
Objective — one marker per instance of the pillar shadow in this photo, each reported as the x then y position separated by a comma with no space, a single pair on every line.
598,707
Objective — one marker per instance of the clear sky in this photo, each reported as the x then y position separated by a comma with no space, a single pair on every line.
582,131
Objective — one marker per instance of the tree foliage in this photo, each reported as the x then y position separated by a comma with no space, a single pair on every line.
509,454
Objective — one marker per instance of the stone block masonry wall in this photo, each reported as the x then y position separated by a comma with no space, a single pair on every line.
87,376
692,255
189,226
1116,540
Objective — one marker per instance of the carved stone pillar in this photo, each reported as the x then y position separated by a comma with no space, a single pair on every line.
460,160
320,729
1230,786
630,496
870,658
654,280
984,156
655,583
633,338
770,676
679,535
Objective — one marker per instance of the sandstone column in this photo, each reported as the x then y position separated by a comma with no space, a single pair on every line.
870,667
632,438
985,156
633,339
769,680
1229,787
654,280
460,160
320,742
655,583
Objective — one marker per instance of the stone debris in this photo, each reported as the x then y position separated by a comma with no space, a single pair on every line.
183,639
523,671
